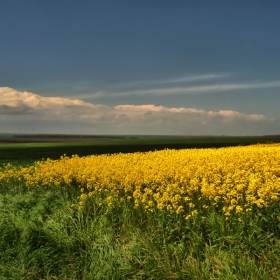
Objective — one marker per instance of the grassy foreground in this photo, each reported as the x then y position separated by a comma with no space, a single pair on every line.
43,235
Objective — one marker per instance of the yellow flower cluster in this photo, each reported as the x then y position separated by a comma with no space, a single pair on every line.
235,179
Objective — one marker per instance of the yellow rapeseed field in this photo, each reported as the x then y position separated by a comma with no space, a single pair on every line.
236,179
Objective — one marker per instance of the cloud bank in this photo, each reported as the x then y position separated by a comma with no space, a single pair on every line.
66,115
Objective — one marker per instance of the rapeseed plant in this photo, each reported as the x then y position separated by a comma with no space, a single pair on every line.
234,180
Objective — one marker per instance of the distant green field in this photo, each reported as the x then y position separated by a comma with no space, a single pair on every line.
23,152
5,135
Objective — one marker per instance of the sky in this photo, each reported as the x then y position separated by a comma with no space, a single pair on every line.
160,67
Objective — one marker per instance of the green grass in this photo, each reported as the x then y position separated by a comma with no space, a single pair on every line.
42,237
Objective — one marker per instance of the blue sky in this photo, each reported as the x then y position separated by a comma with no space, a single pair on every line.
206,57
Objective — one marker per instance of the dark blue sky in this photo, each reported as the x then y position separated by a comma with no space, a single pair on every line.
145,52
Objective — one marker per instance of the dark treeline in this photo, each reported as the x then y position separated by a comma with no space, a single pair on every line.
65,136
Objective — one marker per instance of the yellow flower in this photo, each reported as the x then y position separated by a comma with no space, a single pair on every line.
180,209
239,209
194,213
191,205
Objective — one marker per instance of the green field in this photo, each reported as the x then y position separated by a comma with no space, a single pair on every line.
10,152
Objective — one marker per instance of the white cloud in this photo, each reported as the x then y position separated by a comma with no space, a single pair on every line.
183,79
194,78
18,106
185,90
